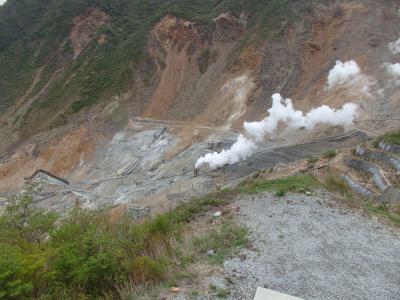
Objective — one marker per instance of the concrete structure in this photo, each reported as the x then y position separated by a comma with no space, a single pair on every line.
266,294
48,177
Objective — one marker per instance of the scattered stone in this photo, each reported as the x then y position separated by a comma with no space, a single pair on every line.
277,263
217,214
210,252
308,193
175,289
242,257
138,212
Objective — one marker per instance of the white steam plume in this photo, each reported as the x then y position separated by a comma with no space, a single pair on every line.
395,47
281,111
393,69
241,149
342,73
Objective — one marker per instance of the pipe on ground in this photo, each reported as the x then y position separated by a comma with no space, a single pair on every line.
379,156
374,171
389,147
357,187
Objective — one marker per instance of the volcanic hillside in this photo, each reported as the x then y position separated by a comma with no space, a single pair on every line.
96,90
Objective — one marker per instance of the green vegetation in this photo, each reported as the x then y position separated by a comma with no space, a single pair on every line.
194,293
389,138
32,31
280,193
78,105
295,184
382,209
222,240
392,137
312,159
330,153
84,255
205,59
220,292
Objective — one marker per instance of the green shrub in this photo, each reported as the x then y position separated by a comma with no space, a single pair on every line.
23,234
145,269
312,159
330,153
390,138
78,105
280,193
83,255
13,267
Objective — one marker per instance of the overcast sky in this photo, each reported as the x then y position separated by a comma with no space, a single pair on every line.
2,1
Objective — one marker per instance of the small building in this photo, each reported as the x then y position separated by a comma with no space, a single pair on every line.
220,145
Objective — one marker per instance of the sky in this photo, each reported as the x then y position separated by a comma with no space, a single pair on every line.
2,1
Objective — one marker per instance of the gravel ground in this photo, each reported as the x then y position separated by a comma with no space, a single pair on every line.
313,247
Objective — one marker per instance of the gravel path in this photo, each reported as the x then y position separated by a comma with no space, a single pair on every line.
314,248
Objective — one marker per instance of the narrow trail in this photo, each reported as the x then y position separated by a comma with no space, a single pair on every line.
179,124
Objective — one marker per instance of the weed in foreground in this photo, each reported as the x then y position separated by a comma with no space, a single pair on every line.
295,184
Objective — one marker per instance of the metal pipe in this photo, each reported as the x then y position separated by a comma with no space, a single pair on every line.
373,170
389,147
379,156
357,186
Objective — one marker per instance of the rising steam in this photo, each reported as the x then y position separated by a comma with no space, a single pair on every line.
393,69
342,72
281,111
395,47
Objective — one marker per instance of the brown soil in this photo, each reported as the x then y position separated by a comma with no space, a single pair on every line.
183,92
171,37
85,27
59,158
